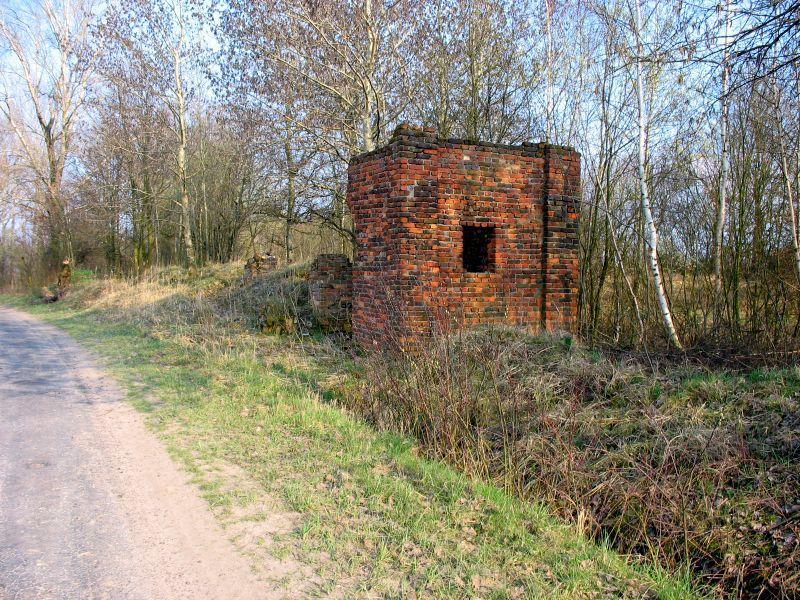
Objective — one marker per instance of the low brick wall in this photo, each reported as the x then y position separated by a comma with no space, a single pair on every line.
330,286
259,265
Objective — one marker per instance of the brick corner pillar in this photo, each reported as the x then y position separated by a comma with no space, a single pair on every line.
560,251
391,193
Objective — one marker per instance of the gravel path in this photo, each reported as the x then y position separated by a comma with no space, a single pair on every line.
91,505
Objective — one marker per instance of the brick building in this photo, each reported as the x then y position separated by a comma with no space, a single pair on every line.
464,232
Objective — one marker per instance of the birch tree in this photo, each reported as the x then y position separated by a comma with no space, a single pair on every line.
789,180
649,225
722,205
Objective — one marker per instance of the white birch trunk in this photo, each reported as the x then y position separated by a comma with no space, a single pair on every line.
651,235
722,203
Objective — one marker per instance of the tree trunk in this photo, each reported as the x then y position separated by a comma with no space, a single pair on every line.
186,224
59,246
722,206
650,232
290,199
181,116
791,193
368,140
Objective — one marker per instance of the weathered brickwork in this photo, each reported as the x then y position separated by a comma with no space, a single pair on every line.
259,265
417,202
330,288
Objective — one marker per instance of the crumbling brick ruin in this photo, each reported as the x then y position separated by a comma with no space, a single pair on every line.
330,290
259,265
465,231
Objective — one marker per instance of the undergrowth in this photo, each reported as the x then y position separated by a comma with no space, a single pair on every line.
683,465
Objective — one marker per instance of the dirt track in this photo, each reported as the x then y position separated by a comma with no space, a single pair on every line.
91,505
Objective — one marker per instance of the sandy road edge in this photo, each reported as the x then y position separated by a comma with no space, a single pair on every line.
180,550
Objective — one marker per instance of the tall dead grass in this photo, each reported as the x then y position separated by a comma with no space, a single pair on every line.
678,464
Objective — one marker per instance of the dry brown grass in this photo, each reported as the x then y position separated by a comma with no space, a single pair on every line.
677,463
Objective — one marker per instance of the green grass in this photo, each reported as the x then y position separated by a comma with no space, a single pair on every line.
369,516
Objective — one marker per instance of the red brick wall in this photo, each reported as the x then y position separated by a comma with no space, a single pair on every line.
330,288
410,200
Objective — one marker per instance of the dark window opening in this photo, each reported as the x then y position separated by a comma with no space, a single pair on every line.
478,245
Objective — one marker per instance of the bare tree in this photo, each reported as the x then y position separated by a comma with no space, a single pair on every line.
11,186
789,180
346,59
347,67
153,35
767,36
549,68
473,66
722,206
46,79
